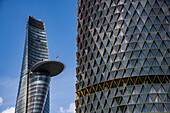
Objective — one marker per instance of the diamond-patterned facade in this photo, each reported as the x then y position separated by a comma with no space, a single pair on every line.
123,57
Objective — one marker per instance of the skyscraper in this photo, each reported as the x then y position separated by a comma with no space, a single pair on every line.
123,56
33,92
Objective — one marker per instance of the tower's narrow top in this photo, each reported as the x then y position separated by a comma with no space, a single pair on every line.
36,23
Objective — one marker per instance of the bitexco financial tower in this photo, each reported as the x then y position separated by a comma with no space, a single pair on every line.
33,92
123,57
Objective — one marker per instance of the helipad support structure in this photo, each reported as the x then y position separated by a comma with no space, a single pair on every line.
36,71
51,67
39,81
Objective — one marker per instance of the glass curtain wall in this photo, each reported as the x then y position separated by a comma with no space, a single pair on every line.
36,49
123,56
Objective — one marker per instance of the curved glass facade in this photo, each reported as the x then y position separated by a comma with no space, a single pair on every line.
36,49
38,92
123,56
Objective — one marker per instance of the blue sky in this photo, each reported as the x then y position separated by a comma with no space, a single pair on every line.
60,21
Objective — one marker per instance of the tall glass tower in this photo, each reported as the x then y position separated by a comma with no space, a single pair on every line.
33,92
123,56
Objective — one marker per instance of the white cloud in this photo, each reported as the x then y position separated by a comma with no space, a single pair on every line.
1,100
9,110
71,109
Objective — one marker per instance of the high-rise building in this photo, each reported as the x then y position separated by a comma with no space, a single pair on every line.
37,69
123,56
